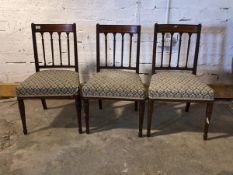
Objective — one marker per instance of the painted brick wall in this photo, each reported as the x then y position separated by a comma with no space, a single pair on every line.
16,54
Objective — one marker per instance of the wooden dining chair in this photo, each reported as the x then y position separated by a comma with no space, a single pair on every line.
52,79
173,77
117,78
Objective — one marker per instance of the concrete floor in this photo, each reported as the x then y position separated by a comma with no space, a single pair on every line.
53,145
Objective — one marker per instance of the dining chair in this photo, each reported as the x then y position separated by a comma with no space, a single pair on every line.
174,69
56,67
117,76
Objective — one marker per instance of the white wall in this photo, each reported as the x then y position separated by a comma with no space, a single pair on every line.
16,53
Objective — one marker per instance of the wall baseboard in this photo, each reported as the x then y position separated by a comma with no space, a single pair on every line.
223,91
8,89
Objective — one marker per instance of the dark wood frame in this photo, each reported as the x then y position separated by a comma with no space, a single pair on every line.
114,29
178,28
51,28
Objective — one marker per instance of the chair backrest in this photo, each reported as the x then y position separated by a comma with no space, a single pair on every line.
60,30
168,31
123,30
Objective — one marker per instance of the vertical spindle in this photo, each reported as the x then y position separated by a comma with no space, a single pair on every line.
60,49
130,48
114,49
170,54
42,38
180,40
188,48
122,48
52,49
68,47
106,49
162,49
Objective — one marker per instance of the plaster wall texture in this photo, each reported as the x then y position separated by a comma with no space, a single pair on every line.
16,52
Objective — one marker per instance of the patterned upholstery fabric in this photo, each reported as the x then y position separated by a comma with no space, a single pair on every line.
50,83
174,85
114,84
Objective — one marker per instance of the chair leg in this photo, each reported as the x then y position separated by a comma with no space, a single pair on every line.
100,104
136,106
149,116
86,110
78,105
187,107
209,109
22,115
44,103
141,116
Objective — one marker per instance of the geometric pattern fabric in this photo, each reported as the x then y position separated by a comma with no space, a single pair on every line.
115,84
50,83
178,86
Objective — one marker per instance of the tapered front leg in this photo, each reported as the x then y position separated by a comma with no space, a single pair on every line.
141,116
100,104
149,116
78,105
136,106
187,107
209,109
43,101
86,110
22,115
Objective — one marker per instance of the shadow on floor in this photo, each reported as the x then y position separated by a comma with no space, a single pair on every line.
168,118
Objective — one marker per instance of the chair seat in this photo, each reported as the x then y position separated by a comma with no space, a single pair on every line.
50,83
178,86
114,84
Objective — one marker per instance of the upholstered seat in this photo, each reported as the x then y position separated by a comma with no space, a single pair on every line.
114,84
50,83
181,86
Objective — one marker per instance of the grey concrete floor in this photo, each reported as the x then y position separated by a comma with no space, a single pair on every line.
54,147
